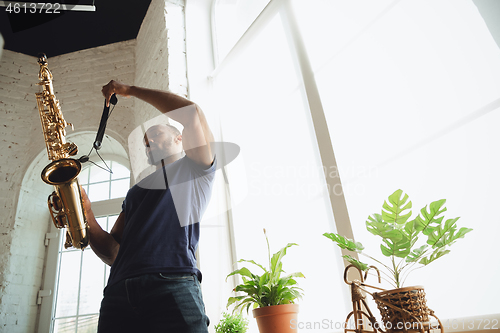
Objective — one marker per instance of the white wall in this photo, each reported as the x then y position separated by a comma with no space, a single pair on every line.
18,113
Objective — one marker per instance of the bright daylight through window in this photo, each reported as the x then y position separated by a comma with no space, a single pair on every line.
409,92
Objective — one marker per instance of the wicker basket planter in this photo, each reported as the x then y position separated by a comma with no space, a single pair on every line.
403,309
401,238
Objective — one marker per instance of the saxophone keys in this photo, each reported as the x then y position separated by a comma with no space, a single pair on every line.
55,202
56,210
71,148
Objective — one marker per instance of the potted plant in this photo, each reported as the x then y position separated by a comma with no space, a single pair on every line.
409,244
271,294
232,323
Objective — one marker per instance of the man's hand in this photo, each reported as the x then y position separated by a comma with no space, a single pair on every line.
115,87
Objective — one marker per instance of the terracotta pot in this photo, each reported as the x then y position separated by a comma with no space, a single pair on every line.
276,318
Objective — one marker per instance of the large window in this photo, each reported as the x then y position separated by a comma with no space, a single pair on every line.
283,187
409,94
81,275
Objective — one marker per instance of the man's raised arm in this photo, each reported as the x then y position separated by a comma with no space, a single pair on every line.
196,135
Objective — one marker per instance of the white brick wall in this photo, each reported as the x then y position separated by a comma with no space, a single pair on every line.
78,78
17,141
161,30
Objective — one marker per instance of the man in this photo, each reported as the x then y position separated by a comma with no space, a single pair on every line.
154,283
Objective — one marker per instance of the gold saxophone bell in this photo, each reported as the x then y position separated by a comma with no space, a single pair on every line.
65,203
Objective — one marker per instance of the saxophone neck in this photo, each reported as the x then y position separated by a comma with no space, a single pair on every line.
44,75
52,119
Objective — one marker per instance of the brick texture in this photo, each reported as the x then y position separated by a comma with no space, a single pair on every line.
78,78
156,59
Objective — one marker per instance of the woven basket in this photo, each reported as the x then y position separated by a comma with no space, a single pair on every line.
402,308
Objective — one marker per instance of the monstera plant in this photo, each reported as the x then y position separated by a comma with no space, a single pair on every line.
407,242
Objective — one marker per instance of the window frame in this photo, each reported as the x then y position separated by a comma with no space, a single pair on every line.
311,92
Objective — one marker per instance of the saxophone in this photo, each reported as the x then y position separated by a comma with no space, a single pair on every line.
65,203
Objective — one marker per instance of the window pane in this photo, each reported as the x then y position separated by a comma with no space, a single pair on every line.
88,324
98,192
119,171
92,284
107,269
343,22
111,222
408,93
83,177
102,222
119,188
232,18
65,325
280,169
98,174
69,278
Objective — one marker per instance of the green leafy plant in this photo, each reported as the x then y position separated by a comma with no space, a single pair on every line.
232,323
400,235
269,288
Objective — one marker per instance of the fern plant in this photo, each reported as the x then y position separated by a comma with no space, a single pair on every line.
232,323
268,288
400,236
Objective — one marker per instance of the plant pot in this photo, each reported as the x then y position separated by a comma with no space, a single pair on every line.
276,318
403,309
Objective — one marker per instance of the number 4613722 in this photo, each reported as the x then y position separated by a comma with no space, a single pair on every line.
33,7
477,324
